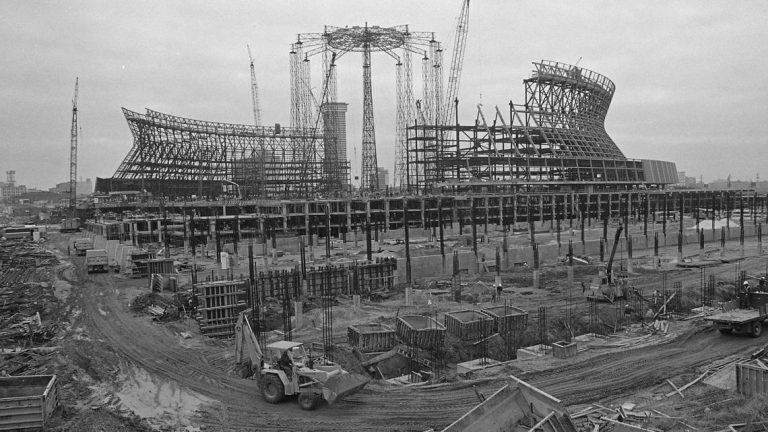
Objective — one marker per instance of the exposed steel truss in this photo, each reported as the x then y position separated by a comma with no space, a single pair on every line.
175,156
557,137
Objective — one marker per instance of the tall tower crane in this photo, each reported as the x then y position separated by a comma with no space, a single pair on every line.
254,92
73,157
457,60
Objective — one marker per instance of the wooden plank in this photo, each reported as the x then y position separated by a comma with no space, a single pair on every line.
676,389
690,383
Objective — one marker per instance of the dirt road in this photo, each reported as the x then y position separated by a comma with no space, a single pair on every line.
157,373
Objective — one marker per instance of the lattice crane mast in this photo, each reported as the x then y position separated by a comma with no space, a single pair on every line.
73,157
254,92
457,61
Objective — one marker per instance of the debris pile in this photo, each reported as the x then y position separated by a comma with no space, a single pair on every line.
26,293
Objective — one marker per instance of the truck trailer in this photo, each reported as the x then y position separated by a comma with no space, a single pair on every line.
96,261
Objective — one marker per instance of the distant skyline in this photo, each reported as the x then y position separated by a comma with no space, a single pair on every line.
690,75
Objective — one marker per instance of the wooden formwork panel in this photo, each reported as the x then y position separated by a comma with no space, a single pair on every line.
160,266
27,402
751,380
219,304
420,331
507,319
468,324
371,337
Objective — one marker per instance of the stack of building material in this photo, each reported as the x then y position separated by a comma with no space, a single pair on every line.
219,304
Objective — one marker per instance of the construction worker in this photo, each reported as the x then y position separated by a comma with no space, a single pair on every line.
286,364
761,284
744,295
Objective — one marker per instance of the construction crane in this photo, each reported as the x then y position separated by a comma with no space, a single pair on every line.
457,60
71,223
73,157
254,92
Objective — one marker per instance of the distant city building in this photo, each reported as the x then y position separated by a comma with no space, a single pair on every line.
83,188
11,190
383,177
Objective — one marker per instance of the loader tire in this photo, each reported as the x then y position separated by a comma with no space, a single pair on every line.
308,401
272,389
756,330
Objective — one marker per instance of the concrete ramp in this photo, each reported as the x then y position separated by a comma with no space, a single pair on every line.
516,406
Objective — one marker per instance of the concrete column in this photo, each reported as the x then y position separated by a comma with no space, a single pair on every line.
312,240
356,300
299,313
386,214
536,279
408,296
570,275
284,212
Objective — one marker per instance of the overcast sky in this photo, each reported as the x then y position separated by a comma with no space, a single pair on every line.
691,76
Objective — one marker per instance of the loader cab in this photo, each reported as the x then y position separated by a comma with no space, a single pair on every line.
295,351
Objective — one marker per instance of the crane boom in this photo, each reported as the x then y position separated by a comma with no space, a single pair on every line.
457,61
73,157
254,92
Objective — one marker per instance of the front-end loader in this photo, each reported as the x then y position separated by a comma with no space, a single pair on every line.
307,378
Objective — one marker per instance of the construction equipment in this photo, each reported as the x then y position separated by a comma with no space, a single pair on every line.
83,244
285,369
747,318
457,61
254,92
604,287
73,158
96,260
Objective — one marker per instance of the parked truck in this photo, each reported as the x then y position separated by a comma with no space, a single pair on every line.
748,318
96,261
82,244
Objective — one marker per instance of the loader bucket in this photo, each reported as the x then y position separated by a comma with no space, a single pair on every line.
343,385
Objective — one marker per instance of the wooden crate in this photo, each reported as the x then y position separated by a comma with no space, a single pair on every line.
563,349
751,379
507,319
27,402
371,337
468,324
420,331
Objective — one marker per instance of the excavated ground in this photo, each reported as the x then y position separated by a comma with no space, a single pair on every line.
140,369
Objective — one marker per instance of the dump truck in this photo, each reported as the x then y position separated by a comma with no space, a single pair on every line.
96,260
285,369
604,287
83,244
746,319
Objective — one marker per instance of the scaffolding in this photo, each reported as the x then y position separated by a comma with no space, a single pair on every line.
399,43
556,138
180,157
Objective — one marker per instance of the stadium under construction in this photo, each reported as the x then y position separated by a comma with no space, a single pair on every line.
555,142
